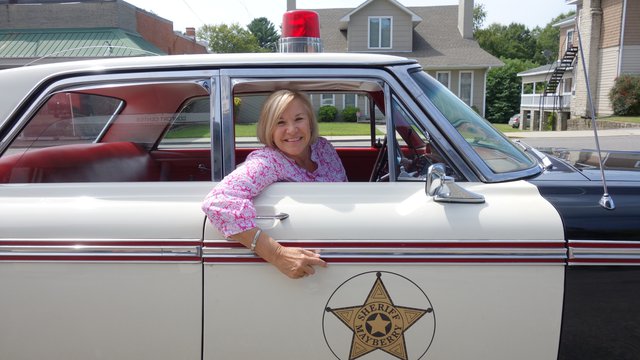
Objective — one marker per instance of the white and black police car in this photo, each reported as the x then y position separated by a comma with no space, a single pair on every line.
448,242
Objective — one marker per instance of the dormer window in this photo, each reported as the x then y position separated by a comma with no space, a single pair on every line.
380,32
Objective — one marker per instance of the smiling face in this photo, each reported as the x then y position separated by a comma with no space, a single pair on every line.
292,132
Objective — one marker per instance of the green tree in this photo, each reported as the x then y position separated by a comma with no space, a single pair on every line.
479,15
548,40
503,89
228,39
520,49
513,41
265,32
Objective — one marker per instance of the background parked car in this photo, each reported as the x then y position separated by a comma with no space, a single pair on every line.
514,121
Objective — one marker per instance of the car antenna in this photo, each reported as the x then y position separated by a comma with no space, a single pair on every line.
605,201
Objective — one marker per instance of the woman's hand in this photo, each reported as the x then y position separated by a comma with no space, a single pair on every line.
291,261
296,262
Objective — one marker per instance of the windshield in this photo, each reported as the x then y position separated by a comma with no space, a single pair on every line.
500,154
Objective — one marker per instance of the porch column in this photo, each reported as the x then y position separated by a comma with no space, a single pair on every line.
590,23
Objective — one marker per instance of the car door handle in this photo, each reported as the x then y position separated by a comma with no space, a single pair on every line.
280,217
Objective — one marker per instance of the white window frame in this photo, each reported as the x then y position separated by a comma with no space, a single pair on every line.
380,32
332,102
344,100
448,84
366,106
460,86
564,86
573,36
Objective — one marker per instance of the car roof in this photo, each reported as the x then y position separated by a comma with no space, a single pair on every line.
23,80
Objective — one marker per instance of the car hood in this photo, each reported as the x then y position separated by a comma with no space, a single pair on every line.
583,164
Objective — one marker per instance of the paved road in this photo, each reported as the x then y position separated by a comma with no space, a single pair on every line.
618,139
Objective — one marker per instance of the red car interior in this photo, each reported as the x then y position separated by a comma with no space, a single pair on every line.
128,161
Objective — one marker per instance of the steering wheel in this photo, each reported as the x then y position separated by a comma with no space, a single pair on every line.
381,167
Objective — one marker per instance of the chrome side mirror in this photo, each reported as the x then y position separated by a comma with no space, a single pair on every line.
443,188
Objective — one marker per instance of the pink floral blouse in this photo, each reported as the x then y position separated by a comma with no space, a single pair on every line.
229,206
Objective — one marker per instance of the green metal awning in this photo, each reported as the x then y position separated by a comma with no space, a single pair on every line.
70,43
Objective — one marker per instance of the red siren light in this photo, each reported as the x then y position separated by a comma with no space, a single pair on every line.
300,32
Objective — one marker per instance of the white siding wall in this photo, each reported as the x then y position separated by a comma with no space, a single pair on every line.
402,32
631,60
607,74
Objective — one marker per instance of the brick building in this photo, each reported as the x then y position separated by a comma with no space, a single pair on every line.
58,30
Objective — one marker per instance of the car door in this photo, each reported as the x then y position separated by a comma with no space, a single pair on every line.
99,252
408,277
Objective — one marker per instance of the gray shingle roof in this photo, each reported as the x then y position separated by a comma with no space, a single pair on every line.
544,69
437,42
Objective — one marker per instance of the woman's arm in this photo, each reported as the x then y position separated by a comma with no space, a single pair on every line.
229,207
291,261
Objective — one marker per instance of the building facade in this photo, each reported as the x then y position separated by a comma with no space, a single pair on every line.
440,38
607,33
58,30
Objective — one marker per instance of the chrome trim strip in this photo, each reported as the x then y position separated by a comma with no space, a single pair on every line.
604,243
604,253
400,254
401,243
22,251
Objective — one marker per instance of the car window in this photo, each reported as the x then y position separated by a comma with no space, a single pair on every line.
115,131
67,118
414,150
355,124
498,153
190,127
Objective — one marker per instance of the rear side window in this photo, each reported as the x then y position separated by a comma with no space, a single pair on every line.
115,132
67,118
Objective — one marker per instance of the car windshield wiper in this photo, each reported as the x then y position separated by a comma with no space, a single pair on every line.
543,159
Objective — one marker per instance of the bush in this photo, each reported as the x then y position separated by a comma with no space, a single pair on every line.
236,106
350,114
327,113
550,123
625,95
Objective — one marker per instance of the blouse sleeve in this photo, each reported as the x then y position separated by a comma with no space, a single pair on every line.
229,206
331,160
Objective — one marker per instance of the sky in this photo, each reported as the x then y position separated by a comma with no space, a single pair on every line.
195,13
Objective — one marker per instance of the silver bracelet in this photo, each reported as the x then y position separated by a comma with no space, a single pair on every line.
255,240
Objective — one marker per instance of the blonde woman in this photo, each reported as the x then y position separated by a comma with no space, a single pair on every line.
293,151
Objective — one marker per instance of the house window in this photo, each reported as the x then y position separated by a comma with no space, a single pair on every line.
380,32
568,85
350,100
527,88
540,86
444,77
569,39
466,87
327,99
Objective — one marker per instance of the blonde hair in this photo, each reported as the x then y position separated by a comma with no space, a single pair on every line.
272,110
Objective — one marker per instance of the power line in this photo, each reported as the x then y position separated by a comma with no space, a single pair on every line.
193,12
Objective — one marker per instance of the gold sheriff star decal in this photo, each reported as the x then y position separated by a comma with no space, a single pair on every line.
378,324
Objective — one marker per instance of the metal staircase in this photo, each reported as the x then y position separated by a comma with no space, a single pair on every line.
566,62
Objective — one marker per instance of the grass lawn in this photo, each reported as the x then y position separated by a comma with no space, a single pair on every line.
344,128
505,128
249,130
326,129
632,119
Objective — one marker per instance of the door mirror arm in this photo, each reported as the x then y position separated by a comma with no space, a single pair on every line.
443,187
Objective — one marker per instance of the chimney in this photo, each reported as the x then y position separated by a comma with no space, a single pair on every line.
190,32
291,5
465,18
